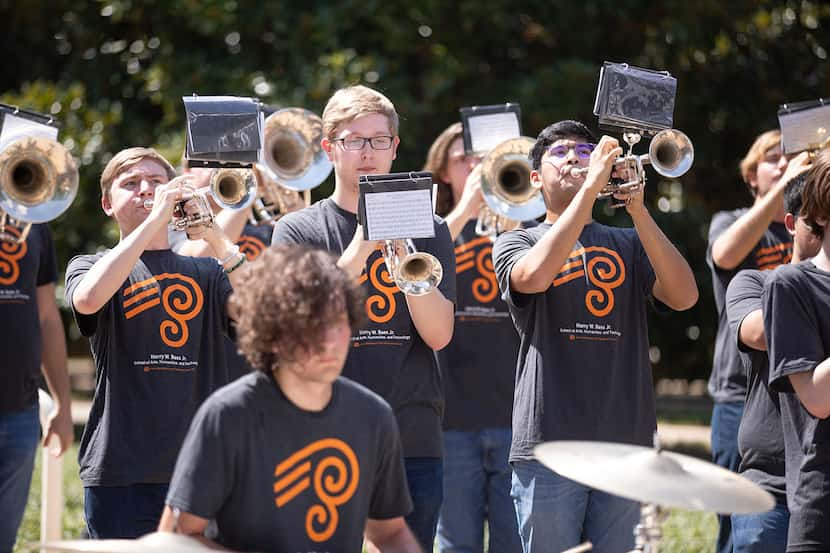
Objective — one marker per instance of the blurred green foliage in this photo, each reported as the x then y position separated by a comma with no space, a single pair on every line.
114,72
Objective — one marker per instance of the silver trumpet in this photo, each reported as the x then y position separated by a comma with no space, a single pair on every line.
38,182
506,187
293,163
232,189
415,273
670,153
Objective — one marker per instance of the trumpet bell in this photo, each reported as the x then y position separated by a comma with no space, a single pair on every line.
233,188
419,273
292,153
671,153
38,179
505,181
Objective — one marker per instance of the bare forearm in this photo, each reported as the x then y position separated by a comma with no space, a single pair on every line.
813,389
107,275
732,247
535,271
752,331
456,220
433,317
390,538
675,282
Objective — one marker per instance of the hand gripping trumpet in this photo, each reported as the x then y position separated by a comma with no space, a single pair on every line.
232,189
670,153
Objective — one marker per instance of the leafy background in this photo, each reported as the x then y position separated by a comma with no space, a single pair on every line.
114,72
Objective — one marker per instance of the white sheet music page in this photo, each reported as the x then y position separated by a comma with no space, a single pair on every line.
807,129
404,214
490,130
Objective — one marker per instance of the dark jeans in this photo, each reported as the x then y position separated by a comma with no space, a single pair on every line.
477,490
127,512
425,476
726,417
19,433
761,532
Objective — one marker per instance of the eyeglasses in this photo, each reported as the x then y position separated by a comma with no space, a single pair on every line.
582,150
358,142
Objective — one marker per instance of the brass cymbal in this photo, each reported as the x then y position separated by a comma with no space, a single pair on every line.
156,542
653,476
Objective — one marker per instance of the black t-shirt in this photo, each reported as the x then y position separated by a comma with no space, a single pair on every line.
159,351
388,355
583,371
760,436
727,381
23,267
479,365
277,478
797,325
252,242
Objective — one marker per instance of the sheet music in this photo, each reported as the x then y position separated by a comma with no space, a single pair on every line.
803,130
488,131
404,214
15,127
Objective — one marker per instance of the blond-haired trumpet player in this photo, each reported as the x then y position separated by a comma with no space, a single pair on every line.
577,291
156,322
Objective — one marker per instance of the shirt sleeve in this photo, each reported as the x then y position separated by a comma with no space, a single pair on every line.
509,248
742,298
720,223
203,477
286,233
47,267
789,323
75,271
390,493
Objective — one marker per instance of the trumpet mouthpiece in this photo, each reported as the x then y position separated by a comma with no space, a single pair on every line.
148,205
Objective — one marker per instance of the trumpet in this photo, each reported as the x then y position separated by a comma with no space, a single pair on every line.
293,163
415,273
670,153
506,187
232,189
38,182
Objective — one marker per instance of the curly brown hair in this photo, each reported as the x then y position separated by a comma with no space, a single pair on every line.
292,294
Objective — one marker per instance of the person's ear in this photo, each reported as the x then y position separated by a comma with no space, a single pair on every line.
536,179
106,203
395,141
753,182
789,222
327,145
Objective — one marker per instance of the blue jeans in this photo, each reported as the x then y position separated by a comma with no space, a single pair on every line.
424,475
555,513
127,512
726,418
761,532
19,432
477,488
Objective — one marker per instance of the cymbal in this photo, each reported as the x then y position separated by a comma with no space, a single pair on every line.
151,543
650,476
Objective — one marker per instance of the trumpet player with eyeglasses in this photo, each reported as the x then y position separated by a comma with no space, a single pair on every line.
577,291
156,322
394,354
478,367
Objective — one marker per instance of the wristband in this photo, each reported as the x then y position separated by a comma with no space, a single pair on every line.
234,251
238,264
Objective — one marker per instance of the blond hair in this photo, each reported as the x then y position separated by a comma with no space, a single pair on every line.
349,103
125,159
759,148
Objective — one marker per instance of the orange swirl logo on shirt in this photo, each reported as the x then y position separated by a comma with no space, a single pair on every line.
330,468
181,299
380,306
10,254
773,256
485,288
605,270
251,246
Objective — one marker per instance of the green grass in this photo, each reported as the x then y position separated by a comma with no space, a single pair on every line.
683,532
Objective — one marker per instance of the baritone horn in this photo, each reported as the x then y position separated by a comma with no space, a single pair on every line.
293,163
38,182
671,153
506,187
415,273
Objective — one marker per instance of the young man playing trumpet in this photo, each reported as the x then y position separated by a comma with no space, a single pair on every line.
394,355
156,322
577,291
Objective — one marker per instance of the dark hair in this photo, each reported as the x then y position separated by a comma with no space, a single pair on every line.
554,132
437,161
291,295
792,194
816,193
